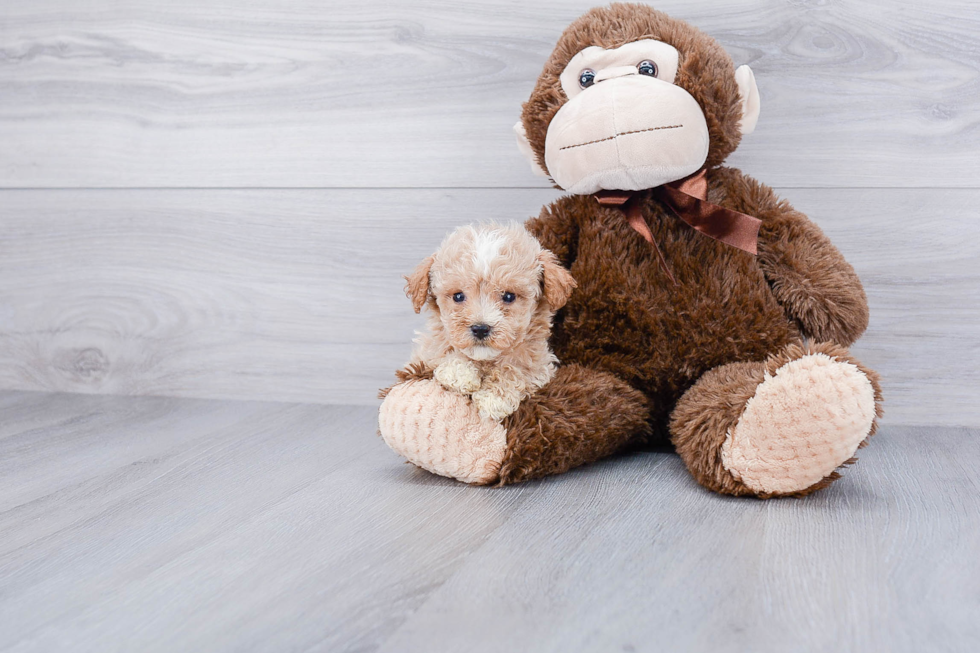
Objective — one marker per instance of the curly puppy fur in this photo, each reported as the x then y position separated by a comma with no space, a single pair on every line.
499,279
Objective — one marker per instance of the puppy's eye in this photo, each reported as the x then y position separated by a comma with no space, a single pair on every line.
458,297
586,77
647,67
509,297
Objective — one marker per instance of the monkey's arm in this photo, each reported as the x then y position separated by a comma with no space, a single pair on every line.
557,229
808,275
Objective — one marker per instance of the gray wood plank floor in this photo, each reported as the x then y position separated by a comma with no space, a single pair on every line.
157,524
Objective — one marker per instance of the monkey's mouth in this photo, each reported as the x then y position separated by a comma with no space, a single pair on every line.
609,138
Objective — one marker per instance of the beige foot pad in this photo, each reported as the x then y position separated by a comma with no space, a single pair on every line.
802,423
441,431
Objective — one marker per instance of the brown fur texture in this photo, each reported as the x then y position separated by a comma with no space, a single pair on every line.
808,276
580,415
643,358
628,320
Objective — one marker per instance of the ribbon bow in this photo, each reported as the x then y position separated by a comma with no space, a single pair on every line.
688,199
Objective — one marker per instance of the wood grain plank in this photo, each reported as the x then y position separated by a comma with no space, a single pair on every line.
286,294
650,562
212,93
222,540
294,528
82,452
297,295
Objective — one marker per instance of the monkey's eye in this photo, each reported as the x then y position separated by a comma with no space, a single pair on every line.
647,67
509,297
458,297
586,78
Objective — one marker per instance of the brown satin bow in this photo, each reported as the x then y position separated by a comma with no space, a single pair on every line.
688,199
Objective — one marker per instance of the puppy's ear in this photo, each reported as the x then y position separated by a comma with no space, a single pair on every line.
417,287
558,282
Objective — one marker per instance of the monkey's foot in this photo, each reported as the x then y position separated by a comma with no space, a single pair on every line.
442,432
803,422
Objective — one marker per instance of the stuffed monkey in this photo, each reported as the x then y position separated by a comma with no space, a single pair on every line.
708,311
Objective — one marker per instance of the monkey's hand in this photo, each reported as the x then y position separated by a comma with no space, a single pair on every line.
500,394
458,374
807,275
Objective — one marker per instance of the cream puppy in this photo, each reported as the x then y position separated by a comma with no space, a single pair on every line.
491,292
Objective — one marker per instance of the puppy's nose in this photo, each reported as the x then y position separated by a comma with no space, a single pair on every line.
481,331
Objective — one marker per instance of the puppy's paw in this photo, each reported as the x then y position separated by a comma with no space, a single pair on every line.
458,375
493,406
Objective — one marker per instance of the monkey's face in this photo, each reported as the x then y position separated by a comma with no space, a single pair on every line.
611,112
626,125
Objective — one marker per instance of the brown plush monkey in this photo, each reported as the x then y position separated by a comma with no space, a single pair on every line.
687,324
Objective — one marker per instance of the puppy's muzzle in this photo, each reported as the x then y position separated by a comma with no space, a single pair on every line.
480,331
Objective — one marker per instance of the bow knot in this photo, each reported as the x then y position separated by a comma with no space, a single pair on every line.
688,200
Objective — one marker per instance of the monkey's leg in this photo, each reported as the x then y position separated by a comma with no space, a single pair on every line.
580,416
780,427
441,431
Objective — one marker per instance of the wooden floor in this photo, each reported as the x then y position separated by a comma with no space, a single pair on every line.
156,524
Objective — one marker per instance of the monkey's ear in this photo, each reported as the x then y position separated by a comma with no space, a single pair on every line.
524,146
417,287
558,282
749,94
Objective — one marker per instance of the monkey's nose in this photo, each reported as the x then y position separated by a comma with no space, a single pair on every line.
481,331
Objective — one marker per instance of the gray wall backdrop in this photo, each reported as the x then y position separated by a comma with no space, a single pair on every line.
218,199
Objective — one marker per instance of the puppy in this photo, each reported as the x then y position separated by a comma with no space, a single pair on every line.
492,292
